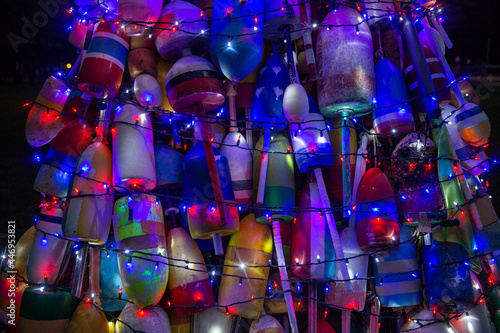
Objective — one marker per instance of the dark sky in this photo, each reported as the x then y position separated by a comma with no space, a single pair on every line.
469,22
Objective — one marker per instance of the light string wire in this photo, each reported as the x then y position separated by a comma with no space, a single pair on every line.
276,292
176,24
213,272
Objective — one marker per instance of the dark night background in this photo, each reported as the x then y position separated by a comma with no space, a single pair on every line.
470,23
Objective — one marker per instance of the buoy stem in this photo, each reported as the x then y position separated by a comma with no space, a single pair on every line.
358,173
346,321
330,220
312,308
81,259
346,163
231,93
219,249
263,167
284,276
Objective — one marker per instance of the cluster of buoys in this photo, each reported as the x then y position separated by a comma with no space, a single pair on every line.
144,192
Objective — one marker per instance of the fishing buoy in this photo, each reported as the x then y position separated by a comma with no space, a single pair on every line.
139,10
141,61
133,150
87,216
22,251
235,48
251,246
179,324
239,155
168,164
212,321
44,309
416,182
267,111
358,266
189,285
147,90
280,184
78,31
338,57
204,218
311,240
473,159
112,296
279,16
88,317
473,125
54,176
45,119
440,93
393,113
399,283
102,67
296,103
424,40
266,324
311,144
149,319
164,116
376,211
47,250
451,288
468,94
138,226
194,85
181,25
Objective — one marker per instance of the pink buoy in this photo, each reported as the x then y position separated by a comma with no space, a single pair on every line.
139,10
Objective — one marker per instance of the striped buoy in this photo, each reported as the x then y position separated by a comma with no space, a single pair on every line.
473,125
45,119
103,65
193,81
47,250
239,156
45,310
472,158
280,183
181,26
441,92
188,284
399,274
